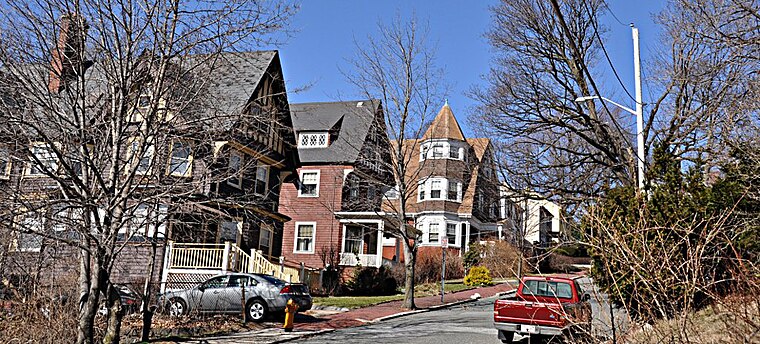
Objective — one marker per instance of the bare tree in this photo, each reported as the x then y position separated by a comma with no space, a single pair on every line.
703,82
93,94
397,66
548,142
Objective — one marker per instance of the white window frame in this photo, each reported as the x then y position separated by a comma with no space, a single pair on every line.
188,160
429,233
456,233
308,137
313,237
316,189
425,189
441,189
236,177
50,162
428,150
458,186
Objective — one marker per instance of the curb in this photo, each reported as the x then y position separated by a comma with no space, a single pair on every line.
424,310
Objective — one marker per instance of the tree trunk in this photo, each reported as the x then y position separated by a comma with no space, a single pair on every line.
115,313
410,259
87,312
147,313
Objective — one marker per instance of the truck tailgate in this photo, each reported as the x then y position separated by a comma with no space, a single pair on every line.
530,313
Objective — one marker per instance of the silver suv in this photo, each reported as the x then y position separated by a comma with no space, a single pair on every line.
260,295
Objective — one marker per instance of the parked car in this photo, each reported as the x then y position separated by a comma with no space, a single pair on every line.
130,300
544,306
260,294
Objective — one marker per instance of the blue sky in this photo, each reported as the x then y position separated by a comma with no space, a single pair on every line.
326,30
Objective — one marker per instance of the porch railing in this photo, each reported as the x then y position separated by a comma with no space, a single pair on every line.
351,259
222,258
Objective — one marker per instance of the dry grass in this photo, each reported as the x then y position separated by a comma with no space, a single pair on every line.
734,320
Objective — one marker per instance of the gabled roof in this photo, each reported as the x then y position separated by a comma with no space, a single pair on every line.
233,78
444,126
347,122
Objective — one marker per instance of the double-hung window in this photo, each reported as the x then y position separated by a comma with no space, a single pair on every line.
309,184
28,239
43,160
265,236
181,159
453,152
262,177
434,234
451,233
437,151
234,167
454,191
140,162
436,189
304,238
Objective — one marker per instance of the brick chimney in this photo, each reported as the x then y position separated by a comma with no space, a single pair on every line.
67,53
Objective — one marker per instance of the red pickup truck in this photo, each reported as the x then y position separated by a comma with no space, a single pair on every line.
544,306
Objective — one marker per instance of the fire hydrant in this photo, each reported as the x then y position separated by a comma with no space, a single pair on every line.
290,313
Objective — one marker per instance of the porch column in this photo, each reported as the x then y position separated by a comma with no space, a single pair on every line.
167,265
226,256
380,238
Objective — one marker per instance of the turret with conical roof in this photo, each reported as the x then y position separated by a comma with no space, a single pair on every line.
444,126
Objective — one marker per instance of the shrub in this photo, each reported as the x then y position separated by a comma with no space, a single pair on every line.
428,267
500,257
478,275
372,281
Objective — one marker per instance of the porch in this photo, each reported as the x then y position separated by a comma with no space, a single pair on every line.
186,264
362,243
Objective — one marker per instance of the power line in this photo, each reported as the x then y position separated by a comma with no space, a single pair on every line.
606,55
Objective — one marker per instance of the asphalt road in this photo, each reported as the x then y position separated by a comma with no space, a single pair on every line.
463,324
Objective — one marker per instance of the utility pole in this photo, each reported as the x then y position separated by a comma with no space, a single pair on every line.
639,109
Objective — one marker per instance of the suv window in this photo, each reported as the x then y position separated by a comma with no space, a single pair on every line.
560,290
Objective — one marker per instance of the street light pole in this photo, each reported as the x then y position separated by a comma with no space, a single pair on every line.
638,112
639,107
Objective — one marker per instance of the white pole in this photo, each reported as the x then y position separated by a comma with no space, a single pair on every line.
639,109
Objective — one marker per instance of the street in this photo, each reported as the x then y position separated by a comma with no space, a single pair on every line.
468,323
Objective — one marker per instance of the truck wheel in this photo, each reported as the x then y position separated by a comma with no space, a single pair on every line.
506,336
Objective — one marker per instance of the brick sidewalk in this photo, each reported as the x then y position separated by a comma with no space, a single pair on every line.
361,316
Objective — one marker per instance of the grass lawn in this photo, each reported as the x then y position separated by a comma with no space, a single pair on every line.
364,301
355,301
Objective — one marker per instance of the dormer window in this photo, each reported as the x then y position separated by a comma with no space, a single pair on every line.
312,140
